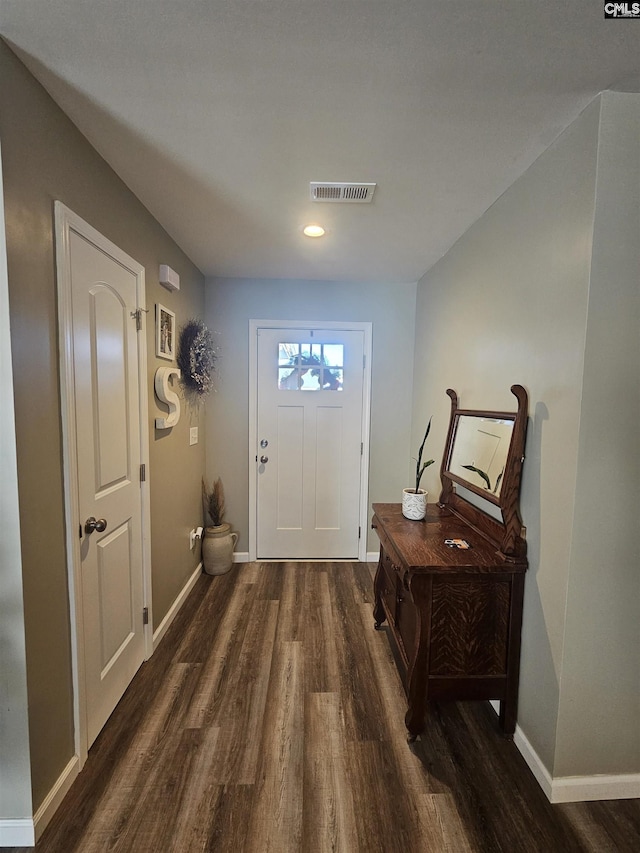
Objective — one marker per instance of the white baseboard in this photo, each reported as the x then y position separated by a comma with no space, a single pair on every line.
240,556
534,762
55,796
574,789
16,832
243,557
161,630
25,832
577,789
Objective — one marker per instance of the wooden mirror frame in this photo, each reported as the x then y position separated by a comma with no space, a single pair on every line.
508,535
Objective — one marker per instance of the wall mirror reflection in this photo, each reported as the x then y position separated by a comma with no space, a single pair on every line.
479,452
484,455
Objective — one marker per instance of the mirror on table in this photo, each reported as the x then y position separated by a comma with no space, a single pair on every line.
479,452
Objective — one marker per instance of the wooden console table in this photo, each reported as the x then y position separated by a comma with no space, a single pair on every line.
455,615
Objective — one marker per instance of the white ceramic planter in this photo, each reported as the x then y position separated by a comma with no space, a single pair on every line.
414,506
217,549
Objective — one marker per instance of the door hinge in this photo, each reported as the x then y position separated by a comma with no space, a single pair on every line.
359,532
138,317
143,473
145,615
361,448
80,531
364,362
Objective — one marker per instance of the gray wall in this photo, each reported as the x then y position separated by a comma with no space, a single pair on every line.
46,158
390,308
599,720
535,294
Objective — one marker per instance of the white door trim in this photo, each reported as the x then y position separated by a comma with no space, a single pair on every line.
67,221
364,327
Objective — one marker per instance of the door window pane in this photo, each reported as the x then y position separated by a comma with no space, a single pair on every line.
333,354
310,367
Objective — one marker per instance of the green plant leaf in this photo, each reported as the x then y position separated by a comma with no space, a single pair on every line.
479,473
419,467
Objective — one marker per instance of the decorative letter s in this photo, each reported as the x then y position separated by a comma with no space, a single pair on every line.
167,396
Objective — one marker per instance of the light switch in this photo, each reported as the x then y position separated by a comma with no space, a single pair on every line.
193,435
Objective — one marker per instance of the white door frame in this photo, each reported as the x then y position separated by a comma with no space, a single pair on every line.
364,327
67,221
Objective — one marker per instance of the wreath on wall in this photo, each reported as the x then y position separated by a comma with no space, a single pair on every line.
196,359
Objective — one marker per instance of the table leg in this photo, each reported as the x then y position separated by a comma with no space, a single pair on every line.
378,610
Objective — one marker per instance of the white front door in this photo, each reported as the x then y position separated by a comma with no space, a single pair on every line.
107,428
310,399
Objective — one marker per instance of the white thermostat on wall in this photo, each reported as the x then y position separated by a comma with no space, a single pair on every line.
169,278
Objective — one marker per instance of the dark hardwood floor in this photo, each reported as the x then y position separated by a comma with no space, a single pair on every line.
271,719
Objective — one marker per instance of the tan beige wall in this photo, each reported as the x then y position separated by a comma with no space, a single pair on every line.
45,158
15,773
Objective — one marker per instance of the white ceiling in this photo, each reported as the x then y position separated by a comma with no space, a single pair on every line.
218,113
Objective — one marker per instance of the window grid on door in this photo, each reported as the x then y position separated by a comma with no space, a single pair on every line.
310,367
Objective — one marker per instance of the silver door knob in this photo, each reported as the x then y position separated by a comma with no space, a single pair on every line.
91,524
264,459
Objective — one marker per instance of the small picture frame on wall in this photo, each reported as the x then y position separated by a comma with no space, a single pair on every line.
165,333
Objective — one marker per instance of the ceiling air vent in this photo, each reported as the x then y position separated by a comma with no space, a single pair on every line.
341,192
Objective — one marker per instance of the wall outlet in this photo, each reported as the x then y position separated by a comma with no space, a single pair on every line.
193,435
194,535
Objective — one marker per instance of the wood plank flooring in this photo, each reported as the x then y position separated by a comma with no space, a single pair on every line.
271,719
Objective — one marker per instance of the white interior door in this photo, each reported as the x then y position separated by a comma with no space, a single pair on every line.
310,438
104,299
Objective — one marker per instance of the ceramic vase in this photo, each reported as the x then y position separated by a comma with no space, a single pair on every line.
217,549
414,505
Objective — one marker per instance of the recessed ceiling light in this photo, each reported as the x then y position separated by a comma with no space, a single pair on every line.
313,230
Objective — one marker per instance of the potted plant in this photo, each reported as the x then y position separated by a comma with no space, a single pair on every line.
219,541
414,501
